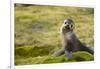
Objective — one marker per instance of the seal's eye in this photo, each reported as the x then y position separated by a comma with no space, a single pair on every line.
65,22
71,26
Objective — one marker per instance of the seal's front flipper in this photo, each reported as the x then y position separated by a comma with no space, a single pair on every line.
68,54
58,53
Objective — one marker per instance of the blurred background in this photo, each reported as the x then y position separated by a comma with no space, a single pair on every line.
37,34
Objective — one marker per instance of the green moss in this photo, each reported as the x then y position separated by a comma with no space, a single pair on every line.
83,56
33,51
77,57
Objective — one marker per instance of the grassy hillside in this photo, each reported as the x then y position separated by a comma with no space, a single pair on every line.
37,32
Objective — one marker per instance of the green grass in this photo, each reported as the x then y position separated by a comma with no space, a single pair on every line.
37,32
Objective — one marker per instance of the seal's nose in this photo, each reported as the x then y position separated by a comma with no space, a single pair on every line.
67,26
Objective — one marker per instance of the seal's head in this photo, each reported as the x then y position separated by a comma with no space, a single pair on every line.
68,24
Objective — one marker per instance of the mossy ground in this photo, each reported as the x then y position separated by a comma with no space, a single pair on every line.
36,55
37,33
